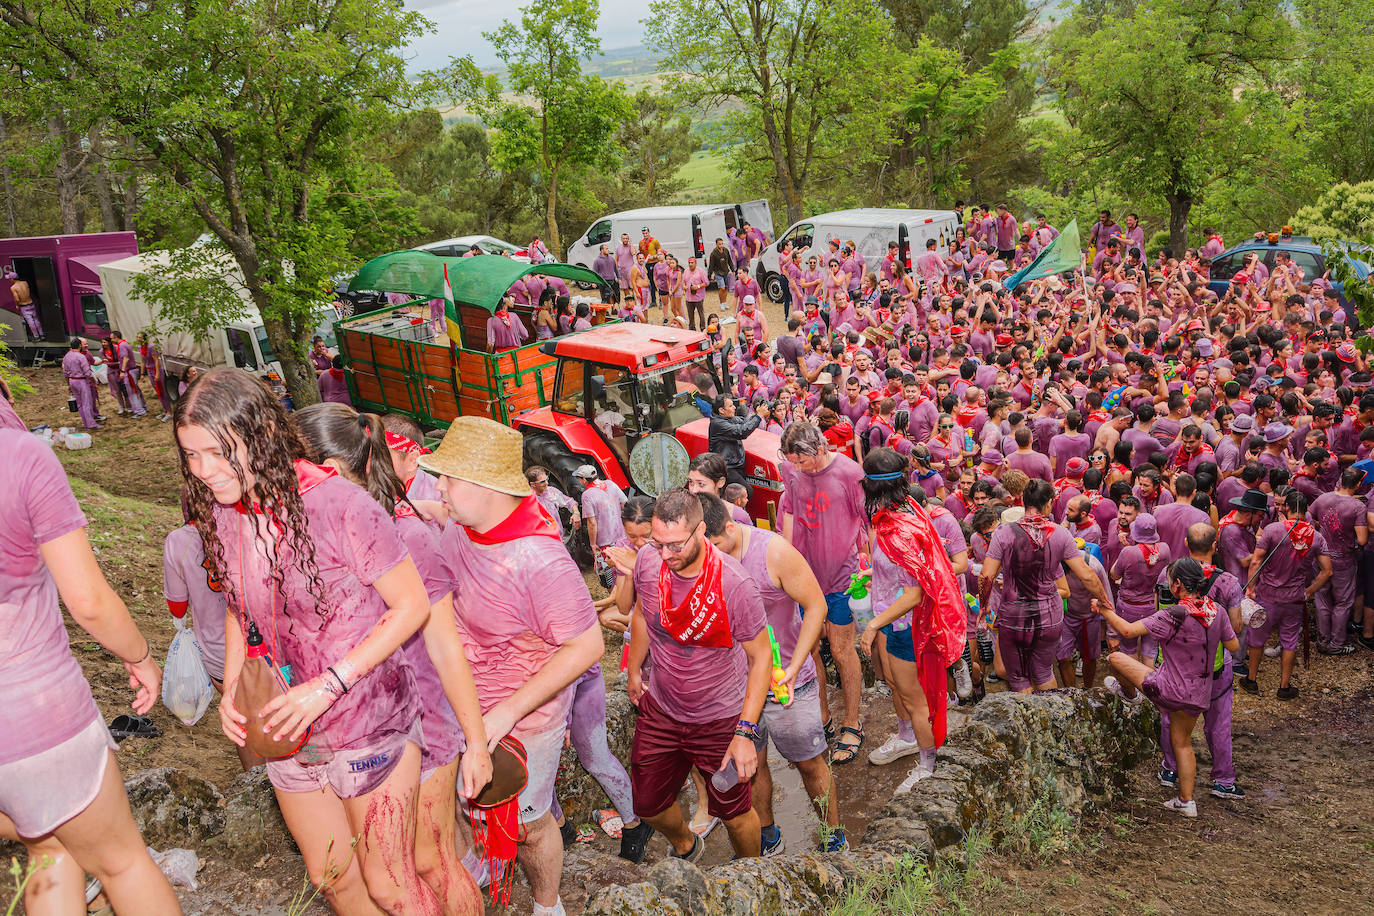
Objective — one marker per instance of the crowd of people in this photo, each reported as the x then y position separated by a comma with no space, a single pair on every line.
1114,460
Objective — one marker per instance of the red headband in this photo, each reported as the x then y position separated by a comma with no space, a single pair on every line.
398,443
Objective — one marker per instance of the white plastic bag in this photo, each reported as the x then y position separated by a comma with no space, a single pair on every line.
186,688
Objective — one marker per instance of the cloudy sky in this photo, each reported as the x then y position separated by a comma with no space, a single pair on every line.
459,25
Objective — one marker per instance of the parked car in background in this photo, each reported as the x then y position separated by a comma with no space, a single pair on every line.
1307,254
457,247
687,231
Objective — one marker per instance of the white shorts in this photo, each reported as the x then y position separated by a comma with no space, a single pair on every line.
43,792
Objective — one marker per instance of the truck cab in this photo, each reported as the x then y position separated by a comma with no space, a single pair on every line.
617,385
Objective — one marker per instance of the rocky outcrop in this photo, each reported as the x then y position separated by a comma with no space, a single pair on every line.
1068,749
173,808
253,825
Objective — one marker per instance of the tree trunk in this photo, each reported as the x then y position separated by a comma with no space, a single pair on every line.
553,242
1180,203
130,186
11,223
104,196
791,192
69,167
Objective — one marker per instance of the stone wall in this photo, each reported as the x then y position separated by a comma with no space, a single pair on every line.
1070,748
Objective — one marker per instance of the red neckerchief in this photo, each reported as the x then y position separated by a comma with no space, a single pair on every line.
1061,483
1150,552
403,509
1304,472
1037,528
505,317
308,477
1101,416
937,512
1302,535
702,618
1094,497
1181,458
1121,469
1204,610
336,374
529,519
1228,519
964,415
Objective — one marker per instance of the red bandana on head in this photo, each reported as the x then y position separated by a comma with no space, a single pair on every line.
399,443
702,618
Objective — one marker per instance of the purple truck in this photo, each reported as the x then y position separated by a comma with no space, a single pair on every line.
61,272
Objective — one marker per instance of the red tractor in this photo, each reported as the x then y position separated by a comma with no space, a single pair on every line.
628,399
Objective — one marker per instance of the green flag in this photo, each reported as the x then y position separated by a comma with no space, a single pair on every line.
1062,254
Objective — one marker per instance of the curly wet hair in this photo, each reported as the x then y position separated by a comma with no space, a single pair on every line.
234,407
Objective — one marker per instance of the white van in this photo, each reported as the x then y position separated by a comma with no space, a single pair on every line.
870,228
688,231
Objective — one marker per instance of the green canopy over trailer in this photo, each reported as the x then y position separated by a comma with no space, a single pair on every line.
397,364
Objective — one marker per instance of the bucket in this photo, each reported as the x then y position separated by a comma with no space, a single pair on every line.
78,441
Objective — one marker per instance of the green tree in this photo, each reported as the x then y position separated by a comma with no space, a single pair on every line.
555,118
1167,97
1332,74
1340,218
247,112
809,89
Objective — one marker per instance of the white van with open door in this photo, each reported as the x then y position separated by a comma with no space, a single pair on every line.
870,228
688,231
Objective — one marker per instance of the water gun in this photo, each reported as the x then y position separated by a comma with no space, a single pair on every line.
859,584
1113,398
971,602
968,445
779,686
1170,372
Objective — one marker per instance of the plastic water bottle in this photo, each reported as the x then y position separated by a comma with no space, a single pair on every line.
726,778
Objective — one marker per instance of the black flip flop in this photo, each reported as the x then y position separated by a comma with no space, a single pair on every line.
133,727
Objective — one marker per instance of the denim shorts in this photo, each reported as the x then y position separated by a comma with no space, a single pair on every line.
899,643
837,609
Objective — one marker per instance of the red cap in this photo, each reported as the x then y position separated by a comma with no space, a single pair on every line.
1076,467
956,331
1005,340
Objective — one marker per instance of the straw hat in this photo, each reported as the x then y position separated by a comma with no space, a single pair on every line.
483,452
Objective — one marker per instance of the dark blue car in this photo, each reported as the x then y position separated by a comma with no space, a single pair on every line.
1306,253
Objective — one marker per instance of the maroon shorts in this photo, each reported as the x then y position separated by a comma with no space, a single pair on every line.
665,750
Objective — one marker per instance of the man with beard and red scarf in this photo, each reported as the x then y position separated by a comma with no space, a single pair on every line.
1033,554
702,627
1293,562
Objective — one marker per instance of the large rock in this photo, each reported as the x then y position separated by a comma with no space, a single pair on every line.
253,825
173,808
1068,749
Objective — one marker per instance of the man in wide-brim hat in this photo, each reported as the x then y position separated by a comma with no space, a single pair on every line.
525,617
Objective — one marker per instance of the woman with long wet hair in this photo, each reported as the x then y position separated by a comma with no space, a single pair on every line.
315,565
337,436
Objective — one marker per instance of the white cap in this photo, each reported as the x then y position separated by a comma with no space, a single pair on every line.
585,471
749,299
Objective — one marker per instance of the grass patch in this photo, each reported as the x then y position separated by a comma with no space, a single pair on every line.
704,172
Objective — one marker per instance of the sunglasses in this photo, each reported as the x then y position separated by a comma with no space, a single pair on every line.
943,426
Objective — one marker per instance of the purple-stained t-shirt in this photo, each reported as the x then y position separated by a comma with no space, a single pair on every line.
603,501
1174,520
443,735
1065,447
740,515
355,544
1029,573
44,698
1033,464
1234,544
1336,516
1183,679
1285,575
424,486
827,518
783,614
186,577
1080,603
512,620
699,683
1136,577
1043,431
1143,445
949,530
553,499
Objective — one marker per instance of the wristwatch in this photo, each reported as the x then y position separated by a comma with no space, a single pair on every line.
746,729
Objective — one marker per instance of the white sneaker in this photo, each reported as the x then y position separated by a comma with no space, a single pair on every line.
912,778
1185,808
1114,687
893,748
1273,651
